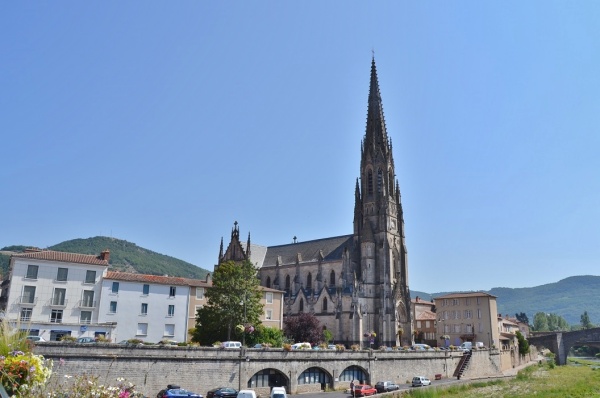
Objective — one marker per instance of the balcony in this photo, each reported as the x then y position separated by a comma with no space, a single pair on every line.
28,300
57,302
87,304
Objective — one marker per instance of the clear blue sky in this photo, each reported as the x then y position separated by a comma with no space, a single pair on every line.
162,123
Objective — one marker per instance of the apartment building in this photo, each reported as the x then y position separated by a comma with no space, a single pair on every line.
54,294
146,307
468,316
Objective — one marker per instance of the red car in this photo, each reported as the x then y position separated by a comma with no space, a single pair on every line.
362,390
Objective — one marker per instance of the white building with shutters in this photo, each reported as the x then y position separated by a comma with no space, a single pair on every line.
55,294
146,307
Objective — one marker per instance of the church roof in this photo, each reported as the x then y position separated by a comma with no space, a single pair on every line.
332,249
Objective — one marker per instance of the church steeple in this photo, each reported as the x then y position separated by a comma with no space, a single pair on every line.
376,135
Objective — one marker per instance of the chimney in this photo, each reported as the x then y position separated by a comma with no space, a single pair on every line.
105,255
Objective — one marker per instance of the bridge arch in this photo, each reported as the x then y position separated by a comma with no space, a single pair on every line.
316,375
354,372
270,378
561,342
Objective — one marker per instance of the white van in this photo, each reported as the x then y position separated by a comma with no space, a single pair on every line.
246,394
278,392
466,346
231,344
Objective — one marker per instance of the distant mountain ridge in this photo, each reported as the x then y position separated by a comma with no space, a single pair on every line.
569,298
124,256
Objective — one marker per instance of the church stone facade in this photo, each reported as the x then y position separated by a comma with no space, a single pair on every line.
357,285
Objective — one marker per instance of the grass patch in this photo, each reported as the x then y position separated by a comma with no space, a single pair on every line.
537,381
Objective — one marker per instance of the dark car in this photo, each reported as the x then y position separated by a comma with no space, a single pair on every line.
386,386
222,392
173,391
362,390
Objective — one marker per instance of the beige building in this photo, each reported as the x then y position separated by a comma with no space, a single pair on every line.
507,329
468,316
272,301
424,321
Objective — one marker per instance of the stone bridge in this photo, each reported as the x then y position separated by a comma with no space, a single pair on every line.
199,369
561,342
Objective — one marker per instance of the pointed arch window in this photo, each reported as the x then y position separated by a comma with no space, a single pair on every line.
332,278
391,182
309,281
370,182
268,281
287,284
301,305
325,304
379,180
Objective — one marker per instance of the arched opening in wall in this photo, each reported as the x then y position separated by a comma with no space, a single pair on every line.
301,307
309,282
354,373
325,304
287,284
268,281
332,279
391,182
269,378
379,180
315,376
370,182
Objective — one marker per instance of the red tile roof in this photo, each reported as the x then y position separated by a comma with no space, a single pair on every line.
465,294
63,257
161,280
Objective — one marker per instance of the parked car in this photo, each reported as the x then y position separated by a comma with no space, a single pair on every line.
386,386
173,391
421,347
35,338
246,394
231,344
301,346
332,347
419,381
278,392
222,392
363,390
86,340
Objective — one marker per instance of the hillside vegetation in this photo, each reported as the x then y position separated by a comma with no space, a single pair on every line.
124,256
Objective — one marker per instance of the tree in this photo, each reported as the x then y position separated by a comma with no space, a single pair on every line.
304,327
522,317
540,322
543,322
265,335
585,321
234,306
523,344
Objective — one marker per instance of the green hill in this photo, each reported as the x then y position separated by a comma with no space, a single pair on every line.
568,298
124,256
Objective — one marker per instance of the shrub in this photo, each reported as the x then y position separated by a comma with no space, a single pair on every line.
68,338
355,347
287,347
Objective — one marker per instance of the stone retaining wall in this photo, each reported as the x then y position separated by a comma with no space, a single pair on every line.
199,369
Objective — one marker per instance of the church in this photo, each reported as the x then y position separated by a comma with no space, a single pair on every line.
356,284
